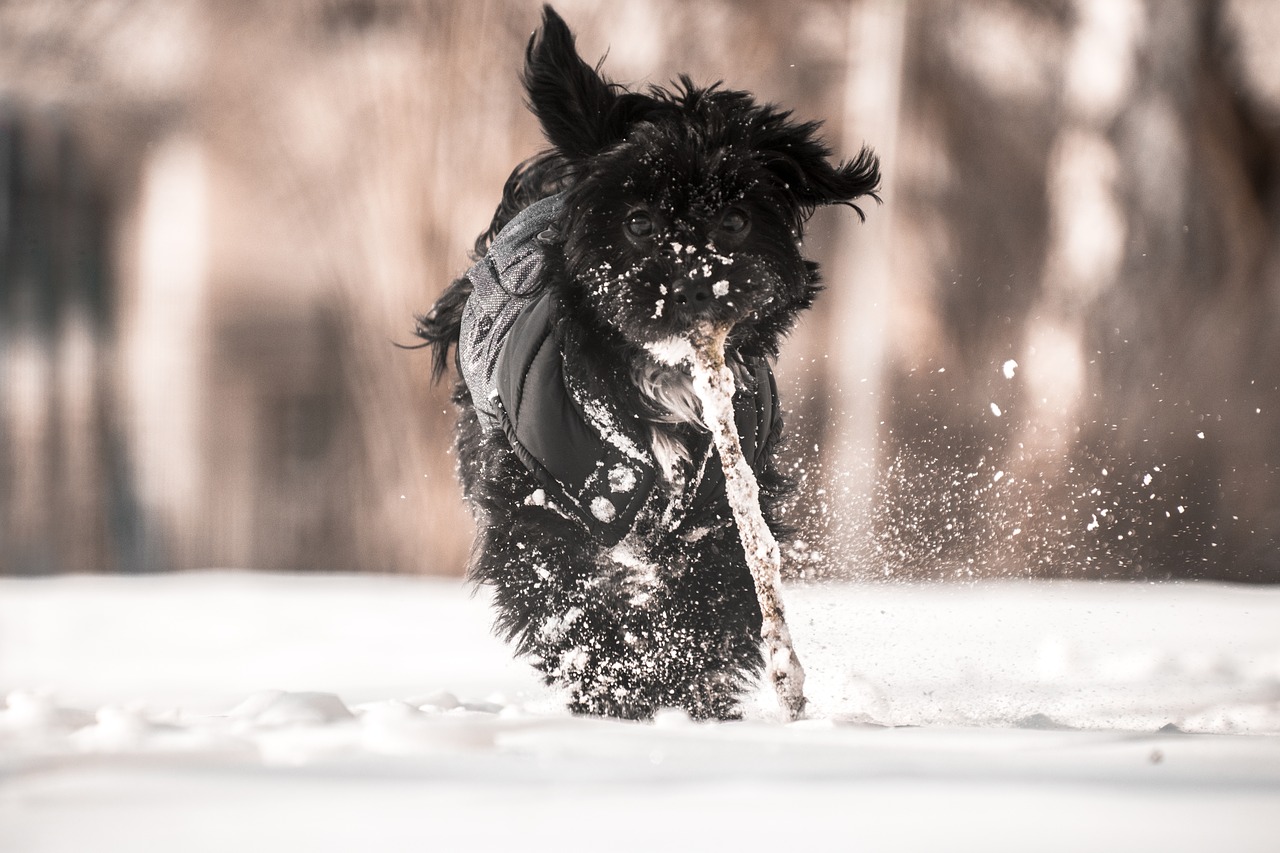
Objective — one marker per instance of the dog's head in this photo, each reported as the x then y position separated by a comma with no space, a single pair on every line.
684,205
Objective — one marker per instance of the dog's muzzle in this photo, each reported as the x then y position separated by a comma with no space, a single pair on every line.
690,297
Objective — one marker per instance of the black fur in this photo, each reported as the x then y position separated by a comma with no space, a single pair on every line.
682,204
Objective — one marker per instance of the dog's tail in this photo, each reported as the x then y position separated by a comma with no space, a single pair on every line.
441,326
541,175
536,178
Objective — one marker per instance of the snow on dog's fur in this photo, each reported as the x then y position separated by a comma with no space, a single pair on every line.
604,527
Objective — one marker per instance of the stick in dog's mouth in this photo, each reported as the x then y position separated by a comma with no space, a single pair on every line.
703,351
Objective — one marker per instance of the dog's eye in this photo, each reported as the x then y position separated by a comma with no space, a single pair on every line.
639,224
734,221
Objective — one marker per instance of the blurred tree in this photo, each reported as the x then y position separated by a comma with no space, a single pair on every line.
1052,350
1081,374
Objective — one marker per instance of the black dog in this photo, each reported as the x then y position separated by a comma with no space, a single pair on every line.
604,528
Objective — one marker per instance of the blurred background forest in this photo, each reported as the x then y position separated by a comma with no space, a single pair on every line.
1054,350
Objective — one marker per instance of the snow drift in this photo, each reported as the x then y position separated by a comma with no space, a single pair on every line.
205,710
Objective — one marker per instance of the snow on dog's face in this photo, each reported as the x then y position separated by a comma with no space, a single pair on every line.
684,205
674,226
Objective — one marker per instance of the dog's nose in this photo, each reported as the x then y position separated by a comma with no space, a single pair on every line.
690,294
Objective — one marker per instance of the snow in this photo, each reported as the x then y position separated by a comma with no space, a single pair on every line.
672,350
603,509
622,479
249,711
605,424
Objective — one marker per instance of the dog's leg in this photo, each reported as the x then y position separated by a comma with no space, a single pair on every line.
569,612
619,647
710,626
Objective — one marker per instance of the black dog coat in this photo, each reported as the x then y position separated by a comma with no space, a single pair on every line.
593,463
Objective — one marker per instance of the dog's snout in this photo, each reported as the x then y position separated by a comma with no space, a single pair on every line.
690,293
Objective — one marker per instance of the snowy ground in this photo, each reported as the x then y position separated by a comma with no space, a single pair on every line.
222,710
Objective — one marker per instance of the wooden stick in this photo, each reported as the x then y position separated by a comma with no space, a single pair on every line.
714,386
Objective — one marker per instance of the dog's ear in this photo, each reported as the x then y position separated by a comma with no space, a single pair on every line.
580,111
796,154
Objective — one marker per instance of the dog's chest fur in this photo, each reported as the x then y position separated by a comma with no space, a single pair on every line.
674,415
673,409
